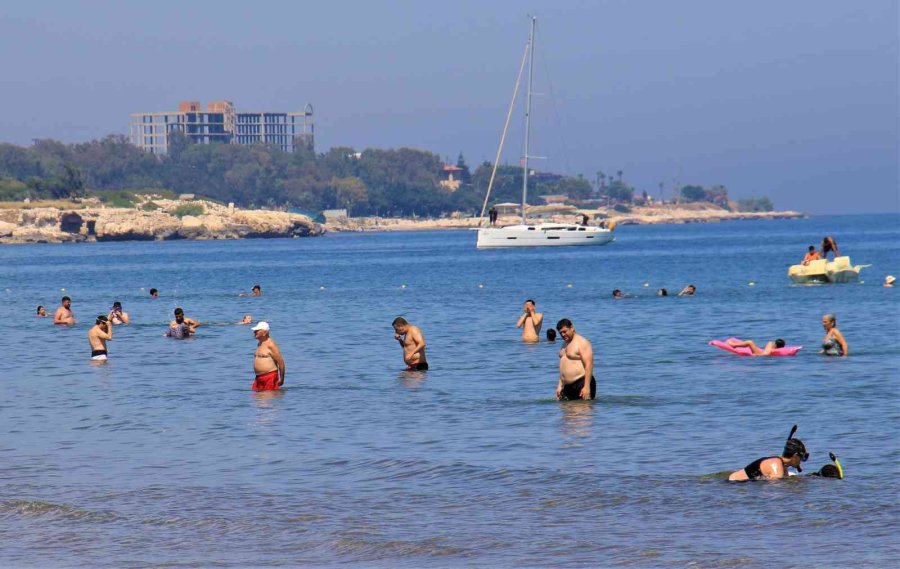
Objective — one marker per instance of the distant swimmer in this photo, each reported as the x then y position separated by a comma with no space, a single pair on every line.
413,343
811,255
182,326
41,312
774,467
779,343
829,245
64,315
255,291
689,290
662,292
154,294
889,281
530,322
98,335
619,294
834,343
268,364
551,335
117,315
247,319
576,362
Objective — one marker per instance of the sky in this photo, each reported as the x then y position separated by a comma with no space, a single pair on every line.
798,101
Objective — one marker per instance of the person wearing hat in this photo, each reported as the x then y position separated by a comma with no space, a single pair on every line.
98,336
889,281
774,467
268,364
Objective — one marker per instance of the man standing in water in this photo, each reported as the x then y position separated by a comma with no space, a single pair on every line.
413,344
530,322
268,364
576,363
98,336
64,316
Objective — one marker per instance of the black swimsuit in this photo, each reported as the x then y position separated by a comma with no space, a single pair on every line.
572,391
752,470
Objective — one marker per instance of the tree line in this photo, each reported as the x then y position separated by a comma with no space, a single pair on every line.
387,182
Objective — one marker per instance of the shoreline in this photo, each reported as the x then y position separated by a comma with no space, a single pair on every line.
658,215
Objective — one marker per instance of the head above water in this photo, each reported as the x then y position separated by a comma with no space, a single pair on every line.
795,450
531,302
179,311
829,471
256,288
829,320
551,335
66,299
102,319
662,292
153,292
40,309
400,325
617,293
779,343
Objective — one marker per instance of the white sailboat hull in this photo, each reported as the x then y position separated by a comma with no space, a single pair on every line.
543,235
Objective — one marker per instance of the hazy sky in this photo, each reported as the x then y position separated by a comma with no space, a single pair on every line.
795,100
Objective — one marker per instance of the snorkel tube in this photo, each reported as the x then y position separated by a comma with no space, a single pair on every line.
837,463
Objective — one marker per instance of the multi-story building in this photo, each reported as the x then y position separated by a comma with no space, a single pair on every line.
220,122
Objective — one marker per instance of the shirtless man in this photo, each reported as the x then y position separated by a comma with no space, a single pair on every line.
268,364
413,344
530,322
97,336
255,291
576,362
182,326
64,316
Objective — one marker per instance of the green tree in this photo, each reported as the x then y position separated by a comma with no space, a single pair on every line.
692,193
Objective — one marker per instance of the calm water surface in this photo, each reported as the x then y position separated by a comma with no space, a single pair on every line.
164,458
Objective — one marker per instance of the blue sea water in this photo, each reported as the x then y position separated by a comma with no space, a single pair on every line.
163,457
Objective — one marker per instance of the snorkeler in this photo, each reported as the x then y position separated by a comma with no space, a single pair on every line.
774,467
831,470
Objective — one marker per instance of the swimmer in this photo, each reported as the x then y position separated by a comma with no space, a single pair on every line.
530,322
182,326
754,349
834,343
268,363
831,470
618,294
413,343
154,294
889,281
98,335
774,467
255,291
662,292
41,312
689,290
116,315
551,335
811,255
247,319
576,363
64,315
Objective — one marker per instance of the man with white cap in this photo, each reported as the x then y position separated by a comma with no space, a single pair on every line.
268,364
889,281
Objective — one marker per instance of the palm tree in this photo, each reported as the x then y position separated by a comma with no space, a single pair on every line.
661,186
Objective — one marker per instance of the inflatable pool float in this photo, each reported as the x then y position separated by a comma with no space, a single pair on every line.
746,351
838,271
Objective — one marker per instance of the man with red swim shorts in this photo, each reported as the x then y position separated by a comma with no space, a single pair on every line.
267,361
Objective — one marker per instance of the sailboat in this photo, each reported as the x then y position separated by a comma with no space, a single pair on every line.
543,234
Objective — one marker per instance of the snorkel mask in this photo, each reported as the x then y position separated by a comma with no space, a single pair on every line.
795,446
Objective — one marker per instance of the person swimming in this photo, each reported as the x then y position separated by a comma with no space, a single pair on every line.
773,467
551,335
662,292
831,470
41,312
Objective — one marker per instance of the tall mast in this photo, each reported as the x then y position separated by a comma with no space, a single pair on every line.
528,119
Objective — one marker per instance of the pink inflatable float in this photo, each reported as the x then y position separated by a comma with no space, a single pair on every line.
745,351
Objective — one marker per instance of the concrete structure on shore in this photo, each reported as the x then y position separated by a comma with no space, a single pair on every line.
221,123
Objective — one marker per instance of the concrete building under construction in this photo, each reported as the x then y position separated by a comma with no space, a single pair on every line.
221,123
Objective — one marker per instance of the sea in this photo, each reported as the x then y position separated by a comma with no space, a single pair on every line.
164,457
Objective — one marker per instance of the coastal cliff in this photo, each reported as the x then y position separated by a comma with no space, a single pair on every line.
166,220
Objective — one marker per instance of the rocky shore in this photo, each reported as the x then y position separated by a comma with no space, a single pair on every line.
163,221
673,214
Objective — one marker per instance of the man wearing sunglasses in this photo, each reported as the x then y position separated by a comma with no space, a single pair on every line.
774,467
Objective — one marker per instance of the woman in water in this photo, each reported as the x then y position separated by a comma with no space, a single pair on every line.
834,343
